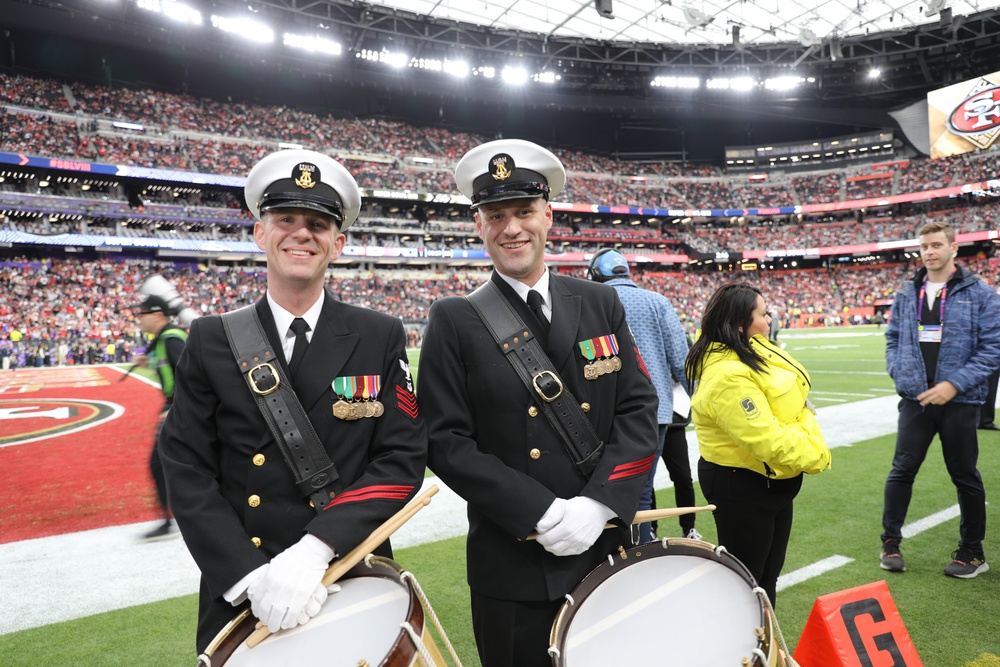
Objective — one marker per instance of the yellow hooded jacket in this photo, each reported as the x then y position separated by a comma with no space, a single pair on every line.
758,421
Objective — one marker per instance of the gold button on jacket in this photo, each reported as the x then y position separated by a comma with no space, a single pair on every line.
258,459
535,454
253,501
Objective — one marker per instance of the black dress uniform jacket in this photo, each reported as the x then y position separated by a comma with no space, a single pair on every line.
482,436
231,491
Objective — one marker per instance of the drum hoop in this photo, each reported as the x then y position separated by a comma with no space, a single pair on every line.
401,654
615,563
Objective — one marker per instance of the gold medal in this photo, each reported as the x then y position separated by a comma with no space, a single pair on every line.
369,409
616,364
379,408
590,371
343,410
604,366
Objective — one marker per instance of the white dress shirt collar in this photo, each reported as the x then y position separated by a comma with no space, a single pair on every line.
542,287
283,320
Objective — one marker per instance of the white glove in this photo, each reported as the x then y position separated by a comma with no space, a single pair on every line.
552,516
238,593
582,522
290,591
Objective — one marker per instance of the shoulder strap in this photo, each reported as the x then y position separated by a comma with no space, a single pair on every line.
314,472
539,375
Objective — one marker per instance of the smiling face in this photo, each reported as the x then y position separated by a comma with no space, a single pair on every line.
299,244
514,233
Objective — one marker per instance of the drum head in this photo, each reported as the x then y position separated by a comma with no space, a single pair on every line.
360,622
688,608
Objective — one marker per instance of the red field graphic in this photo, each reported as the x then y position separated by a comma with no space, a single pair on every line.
74,450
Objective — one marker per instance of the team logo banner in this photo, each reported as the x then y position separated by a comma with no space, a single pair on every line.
964,117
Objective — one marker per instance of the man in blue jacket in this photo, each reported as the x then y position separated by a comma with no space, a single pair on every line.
658,331
942,343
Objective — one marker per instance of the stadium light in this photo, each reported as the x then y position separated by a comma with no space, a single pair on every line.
313,44
245,28
175,11
390,58
688,82
874,73
741,83
485,72
783,82
515,76
456,68
546,77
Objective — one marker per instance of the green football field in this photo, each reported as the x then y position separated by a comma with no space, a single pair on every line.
953,623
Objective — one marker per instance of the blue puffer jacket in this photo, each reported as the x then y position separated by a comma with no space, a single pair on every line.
970,342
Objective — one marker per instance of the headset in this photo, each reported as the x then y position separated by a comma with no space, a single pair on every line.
592,272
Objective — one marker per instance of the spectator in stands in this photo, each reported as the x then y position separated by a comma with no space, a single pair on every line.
942,382
757,430
664,347
262,540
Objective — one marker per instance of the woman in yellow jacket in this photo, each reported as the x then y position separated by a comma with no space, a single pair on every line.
757,431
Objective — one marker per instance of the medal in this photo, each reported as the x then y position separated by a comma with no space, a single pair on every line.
602,356
344,410
358,397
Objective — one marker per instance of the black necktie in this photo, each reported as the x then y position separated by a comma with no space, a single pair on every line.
535,303
299,327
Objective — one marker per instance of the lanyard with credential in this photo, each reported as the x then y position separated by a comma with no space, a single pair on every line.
943,294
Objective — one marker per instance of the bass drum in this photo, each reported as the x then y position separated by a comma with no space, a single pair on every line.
675,601
376,619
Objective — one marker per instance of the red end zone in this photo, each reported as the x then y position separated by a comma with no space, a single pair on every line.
74,450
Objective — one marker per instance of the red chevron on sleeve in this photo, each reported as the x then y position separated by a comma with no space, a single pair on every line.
642,364
407,402
378,492
632,469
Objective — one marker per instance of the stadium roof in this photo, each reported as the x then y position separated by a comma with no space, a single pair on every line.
578,79
681,22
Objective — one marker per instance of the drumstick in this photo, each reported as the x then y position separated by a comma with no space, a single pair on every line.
357,554
645,516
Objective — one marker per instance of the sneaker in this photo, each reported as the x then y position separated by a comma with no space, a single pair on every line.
164,531
966,565
892,560
693,534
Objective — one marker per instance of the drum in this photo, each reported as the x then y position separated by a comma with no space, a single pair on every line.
680,599
375,620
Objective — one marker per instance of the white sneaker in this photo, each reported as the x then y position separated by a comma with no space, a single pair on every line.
693,534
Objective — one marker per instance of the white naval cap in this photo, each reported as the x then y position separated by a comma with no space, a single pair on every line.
303,179
509,169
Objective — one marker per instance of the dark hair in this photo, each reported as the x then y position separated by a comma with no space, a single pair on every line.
725,323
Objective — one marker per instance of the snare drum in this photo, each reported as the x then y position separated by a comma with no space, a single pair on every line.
678,598
375,620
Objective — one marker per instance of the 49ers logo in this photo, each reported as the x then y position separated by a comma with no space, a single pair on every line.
977,117
28,420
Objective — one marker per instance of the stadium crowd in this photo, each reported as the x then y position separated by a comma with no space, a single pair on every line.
69,311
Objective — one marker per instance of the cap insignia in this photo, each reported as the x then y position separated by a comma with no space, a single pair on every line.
303,175
501,167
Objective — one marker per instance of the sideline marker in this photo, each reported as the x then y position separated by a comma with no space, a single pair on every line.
858,627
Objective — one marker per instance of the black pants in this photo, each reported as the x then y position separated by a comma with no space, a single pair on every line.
753,517
675,457
513,634
955,423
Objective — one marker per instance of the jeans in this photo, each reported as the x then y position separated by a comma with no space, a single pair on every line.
955,423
